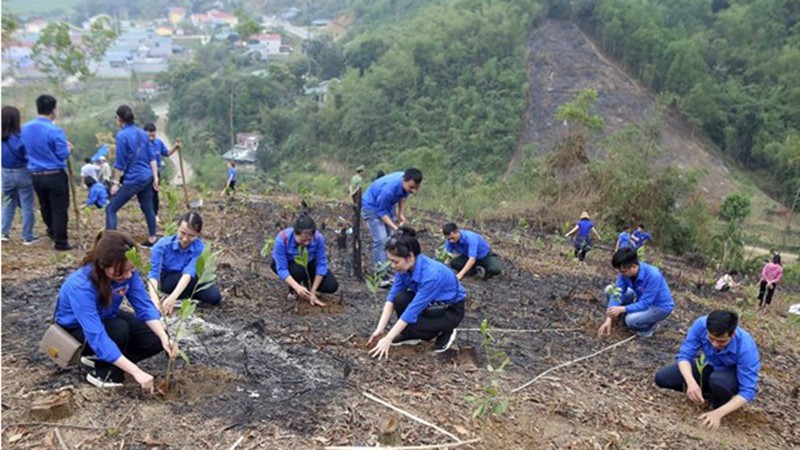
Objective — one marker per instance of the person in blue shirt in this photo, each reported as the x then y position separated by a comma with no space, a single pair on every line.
641,295
137,164
159,150
625,239
17,181
426,296
98,195
316,277
47,150
88,308
230,186
727,370
475,256
173,262
642,236
583,241
378,208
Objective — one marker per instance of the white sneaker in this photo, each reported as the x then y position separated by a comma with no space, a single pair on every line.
385,284
480,271
97,382
88,361
444,341
398,341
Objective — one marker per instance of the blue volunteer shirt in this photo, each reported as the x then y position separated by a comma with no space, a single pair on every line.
14,153
741,353
432,281
158,149
232,173
134,154
383,194
168,256
79,305
45,144
98,196
470,244
642,236
625,240
650,287
286,249
584,227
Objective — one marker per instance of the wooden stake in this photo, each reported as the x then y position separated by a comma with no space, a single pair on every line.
412,417
511,330
572,362
61,440
183,175
74,199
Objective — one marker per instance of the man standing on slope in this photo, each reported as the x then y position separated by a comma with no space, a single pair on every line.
641,295
378,209
726,368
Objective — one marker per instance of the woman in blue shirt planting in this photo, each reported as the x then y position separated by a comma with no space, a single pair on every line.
174,265
303,245
89,309
426,296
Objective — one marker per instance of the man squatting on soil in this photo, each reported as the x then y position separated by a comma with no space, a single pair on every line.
173,263
426,296
727,368
475,256
88,307
641,295
288,245
378,204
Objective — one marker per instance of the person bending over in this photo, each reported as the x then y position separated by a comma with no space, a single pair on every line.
305,239
583,241
98,195
174,266
89,309
718,362
475,256
641,295
426,296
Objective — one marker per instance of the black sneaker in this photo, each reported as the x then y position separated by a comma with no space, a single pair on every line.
147,244
97,381
63,248
444,341
480,271
400,340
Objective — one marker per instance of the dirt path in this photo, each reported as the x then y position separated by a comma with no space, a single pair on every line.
751,251
162,111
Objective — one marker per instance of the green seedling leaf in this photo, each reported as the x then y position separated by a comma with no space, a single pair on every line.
185,357
266,250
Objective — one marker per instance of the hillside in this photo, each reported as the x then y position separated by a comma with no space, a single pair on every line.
563,60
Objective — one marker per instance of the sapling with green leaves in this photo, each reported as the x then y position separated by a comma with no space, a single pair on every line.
301,259
375,278
490,399
266,249
442,255
700,364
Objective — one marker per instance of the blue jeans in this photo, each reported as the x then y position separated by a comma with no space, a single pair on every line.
18,191
641,320
143,191
380,233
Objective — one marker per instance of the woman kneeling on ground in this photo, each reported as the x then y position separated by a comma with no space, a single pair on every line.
89,309
289,244
426,296
174,266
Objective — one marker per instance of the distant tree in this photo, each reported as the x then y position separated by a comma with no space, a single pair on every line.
735,207
10,25
247,26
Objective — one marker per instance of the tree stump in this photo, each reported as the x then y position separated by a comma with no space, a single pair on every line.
389,431
52,407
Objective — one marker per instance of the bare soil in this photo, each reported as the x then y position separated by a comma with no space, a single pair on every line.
280,374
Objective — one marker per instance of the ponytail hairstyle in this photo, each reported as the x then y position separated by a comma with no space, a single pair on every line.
108,251
194,221
304,224
403,243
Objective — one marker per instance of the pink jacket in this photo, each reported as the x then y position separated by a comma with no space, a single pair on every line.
772,273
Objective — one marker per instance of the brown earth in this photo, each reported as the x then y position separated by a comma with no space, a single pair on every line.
280,374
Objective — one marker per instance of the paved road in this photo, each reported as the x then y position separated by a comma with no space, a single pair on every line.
275,22
161,110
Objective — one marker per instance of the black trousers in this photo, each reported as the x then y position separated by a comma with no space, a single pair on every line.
762,288
491,263
155,195
52,190
718,386
209,296
329,283
582,246
134,338
431,322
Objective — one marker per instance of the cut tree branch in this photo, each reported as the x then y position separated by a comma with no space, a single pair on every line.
411,447
411,416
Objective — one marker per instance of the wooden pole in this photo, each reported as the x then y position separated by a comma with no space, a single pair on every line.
183,175
358,271
74,199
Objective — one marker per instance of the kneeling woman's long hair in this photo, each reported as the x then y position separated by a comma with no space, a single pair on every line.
403,243
108,251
